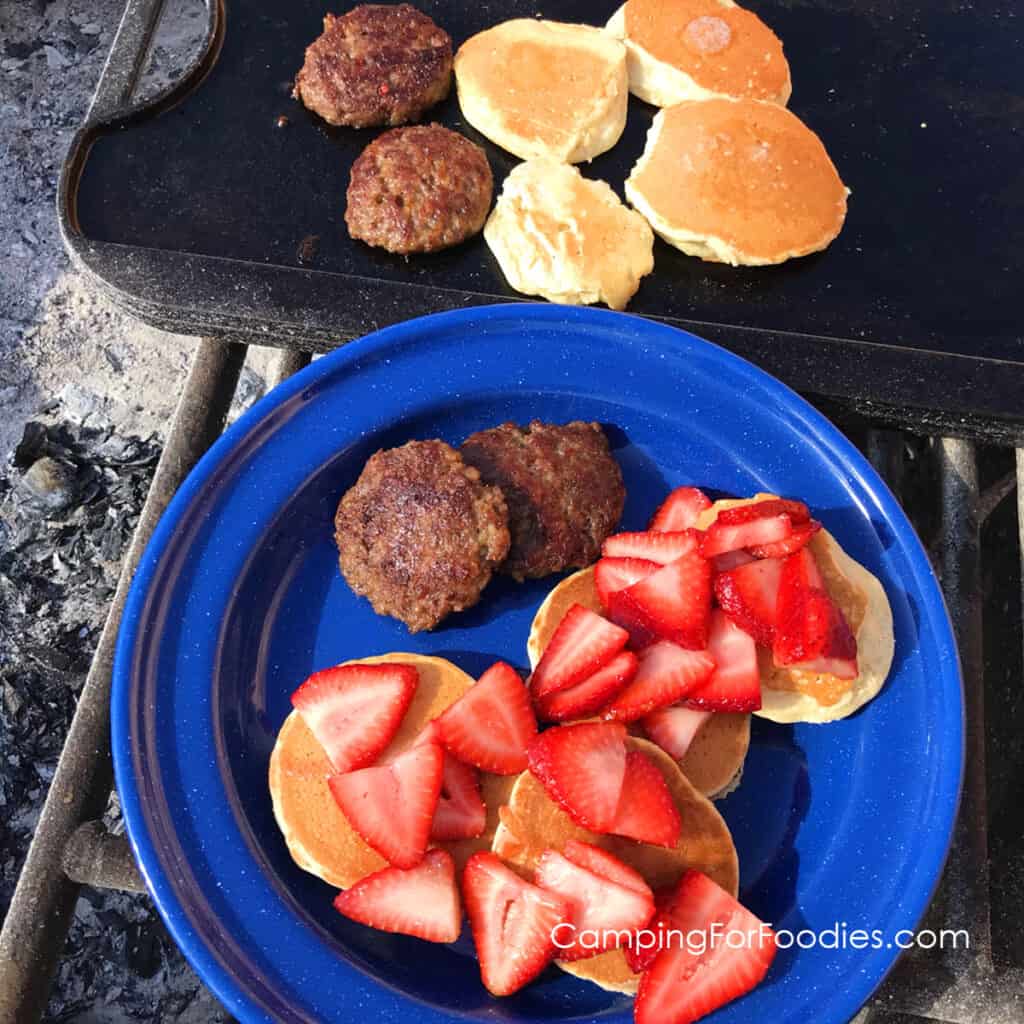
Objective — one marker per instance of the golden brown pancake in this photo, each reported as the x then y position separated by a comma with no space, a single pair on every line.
737,181
714,761
533,823
544,88
318,834
789,695
681,50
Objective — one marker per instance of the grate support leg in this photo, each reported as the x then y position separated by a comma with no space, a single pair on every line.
36,925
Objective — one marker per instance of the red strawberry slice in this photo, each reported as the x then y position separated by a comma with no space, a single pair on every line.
646,809
392,805
721,537
674,728
670,604
812,634
769,508
735,684
680,510
582,767
354,710
421,901
748,595
714,965
490,725
460,811
645,947
592,694
666,674
512,921
794,542
605,865
730,560
583,642
600,910
612,574
654,547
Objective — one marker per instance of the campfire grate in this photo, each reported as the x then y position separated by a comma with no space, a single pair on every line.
954,493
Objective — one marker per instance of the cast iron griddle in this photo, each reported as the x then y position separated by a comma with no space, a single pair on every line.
201,214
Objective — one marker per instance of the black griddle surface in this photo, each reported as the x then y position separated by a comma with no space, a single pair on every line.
919,104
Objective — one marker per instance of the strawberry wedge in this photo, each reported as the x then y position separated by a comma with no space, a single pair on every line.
604,864
670,604
583,642
646,809
460,811
812,634
582,768
720,538
727,953
650,546
748,595
512,921
392,805
492,723
794,542
612,574
673,729
355,710
735,683
665,675
588,697
680,510
421,901
602,912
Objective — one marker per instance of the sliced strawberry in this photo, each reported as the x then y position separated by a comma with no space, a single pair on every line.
582,767
730,560
604,864
674,728
512,921
812,634
491,724
460,812
392,805
680,510
592,694
600,910
771,507
666,674
670,604
583,642
646,809
748,595
612,574
654,547
645,947
794,542
421,901
721,537
726,952
735,684
354,710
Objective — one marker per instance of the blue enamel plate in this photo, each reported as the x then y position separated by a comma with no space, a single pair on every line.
238,598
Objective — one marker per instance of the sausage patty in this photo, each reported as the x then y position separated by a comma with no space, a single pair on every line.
378,64
563,488
420,534
418,189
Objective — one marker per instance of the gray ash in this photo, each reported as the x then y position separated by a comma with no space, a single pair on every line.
69,503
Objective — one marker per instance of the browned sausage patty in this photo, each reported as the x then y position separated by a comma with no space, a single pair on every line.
563,488
419,534
418,189
378,64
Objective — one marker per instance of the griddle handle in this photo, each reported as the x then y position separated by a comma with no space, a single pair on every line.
129,54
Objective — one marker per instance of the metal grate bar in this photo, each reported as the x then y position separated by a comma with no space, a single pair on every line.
37,922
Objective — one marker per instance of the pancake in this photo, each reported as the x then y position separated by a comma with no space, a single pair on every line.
714,760
789,695
743,182
679,50
544,88
533,823
568,238
319,837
